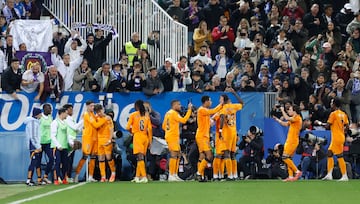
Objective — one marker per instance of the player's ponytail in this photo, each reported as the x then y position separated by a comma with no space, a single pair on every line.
139,106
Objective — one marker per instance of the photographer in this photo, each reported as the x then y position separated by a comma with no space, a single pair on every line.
277,166
313,158
252,145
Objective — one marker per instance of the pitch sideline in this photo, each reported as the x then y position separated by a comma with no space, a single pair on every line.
48,193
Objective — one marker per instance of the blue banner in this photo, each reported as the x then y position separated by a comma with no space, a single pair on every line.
14,112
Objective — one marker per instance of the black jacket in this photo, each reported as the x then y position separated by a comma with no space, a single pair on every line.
95,55
11,81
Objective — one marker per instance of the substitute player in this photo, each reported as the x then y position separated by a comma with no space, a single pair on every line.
139,125
202,135
294,121
170,125
104,134
228,133
338,123
45,140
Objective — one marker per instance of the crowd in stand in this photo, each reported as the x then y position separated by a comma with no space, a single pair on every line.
305,51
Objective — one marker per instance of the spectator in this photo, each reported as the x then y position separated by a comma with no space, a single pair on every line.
137,79
256,28
94,49
353,85
212,12
154,85
202,34
197,84
131,47
11,79
104,79
223,35
154,39
328,16
22,47
75,46
343,94
298,35
332,34
185,79
9,50
144,59
275,85
355,40
10,12
344,18
242,41
348,55
313,21
284,71
272,30
53,84
250,72
293,11
243,12
266,59
342,70
264,84
328,55
202,56
20,7
31,10
273,14
82,77
3,26
214,84
3,64
319,88
286,93
175,10
264,71
228,85
121,78
59,41
99,36
124,63
33,80
192,17
199,67
167,74
222,63
302,90
66,68
355,23
257,49
290,55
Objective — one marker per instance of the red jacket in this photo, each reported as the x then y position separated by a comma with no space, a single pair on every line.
217,34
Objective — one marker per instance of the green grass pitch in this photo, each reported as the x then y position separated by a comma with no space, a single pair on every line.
247,192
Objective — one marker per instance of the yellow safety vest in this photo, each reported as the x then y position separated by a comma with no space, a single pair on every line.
131,51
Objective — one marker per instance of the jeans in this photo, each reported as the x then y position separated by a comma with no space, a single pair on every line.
317,168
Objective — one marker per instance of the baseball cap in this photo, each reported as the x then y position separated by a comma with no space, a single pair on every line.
348,6
169,60
326,45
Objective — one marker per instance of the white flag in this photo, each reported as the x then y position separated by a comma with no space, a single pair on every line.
36,34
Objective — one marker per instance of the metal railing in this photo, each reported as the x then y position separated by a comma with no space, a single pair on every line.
269,102
127,16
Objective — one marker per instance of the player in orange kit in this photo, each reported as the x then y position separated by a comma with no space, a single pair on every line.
294,121
104,134
338,123
228,132
89,141
139,125
202,136
170,125
220,147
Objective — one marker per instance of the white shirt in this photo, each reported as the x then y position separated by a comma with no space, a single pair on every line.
28,75
3,64
204,59
70,122
221,70
74,54
67,72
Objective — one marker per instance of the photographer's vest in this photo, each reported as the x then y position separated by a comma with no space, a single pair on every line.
131,51
61,135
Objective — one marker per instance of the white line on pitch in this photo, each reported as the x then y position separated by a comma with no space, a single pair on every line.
48,193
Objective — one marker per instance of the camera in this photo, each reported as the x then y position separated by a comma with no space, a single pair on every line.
315,139
118,134
256,131
277,105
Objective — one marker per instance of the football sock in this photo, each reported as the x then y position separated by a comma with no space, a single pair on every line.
79,166
91,167
102,169
342,165
330,164
234,168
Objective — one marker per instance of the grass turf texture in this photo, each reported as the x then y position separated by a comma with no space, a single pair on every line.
193,192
